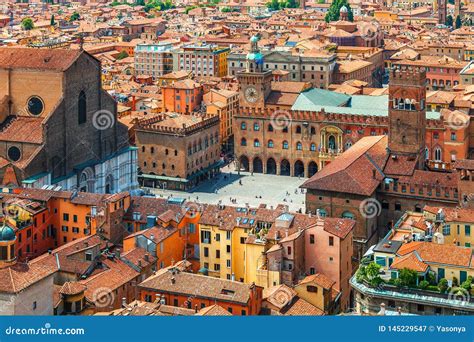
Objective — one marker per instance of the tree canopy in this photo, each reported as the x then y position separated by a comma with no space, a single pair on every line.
333,13
27,24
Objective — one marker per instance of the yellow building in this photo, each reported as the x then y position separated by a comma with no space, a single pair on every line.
453,226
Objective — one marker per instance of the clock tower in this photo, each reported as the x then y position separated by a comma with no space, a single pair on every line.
255,84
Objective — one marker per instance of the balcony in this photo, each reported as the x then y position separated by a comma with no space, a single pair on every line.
329,153
439,166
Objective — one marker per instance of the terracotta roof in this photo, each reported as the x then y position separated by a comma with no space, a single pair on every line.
464,164
410,261
199,286
319,279
279,296
301,307
20,276
440,254
72,288
41,59
22,129
351,172
214,310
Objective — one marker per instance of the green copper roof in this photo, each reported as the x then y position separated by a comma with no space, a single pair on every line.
316,99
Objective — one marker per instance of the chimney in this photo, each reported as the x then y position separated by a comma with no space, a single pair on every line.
124,302
196,308
374,173
173,280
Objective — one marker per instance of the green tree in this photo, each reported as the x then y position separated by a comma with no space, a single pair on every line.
423,284
408,277
75,16
443,285
140,2
52,23
372,270
449,20
333,13
27,24
458,22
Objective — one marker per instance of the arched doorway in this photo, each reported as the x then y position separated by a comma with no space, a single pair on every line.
312,169
271,166
257,165
109,184
299,169
243,163
285,169
87,180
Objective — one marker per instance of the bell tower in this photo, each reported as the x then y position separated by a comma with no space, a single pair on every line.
407,112
442,12
254,82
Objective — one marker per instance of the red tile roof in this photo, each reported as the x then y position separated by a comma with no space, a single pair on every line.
352,171
41,59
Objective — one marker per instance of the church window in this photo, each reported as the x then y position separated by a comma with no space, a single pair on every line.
82,108
14,153
35,105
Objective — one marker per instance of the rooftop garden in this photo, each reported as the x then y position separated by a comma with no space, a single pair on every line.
370,274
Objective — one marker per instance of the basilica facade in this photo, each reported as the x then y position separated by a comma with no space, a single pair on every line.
58,127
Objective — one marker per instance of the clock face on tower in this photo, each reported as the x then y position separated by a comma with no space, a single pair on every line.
251,94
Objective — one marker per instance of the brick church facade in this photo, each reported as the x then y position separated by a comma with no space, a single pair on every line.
58,126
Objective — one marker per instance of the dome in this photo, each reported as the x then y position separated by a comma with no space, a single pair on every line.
343,9
7,234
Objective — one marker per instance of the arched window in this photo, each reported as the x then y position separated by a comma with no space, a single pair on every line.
313,130
270,144
313,147
348,215
256,143
82,108
243,126
256,126
298,129
299,146
285,145
322,212
270,127
437,154
243,142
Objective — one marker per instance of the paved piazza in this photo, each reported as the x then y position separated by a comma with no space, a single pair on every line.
272,189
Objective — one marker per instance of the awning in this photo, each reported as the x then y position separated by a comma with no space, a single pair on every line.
210,167
164,178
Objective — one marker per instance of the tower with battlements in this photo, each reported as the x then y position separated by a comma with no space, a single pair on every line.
407,112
